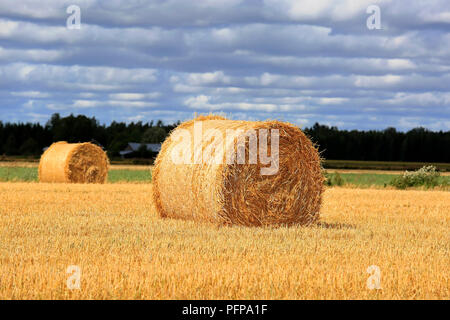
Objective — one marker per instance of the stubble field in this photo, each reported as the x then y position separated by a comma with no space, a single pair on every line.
125,251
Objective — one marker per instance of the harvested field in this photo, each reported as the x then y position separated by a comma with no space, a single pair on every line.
125,251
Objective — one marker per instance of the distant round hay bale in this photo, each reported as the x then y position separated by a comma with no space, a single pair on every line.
238,193
73,163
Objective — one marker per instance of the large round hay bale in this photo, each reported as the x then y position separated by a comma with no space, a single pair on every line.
73,163
232,192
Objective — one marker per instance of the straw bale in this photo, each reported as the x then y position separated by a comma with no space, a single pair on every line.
237,193
73,163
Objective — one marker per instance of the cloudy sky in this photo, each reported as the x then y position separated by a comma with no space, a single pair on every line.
292,60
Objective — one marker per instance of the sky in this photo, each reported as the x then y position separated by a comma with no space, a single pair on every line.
291,60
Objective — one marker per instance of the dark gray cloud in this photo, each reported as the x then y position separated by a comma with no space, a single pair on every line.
301,61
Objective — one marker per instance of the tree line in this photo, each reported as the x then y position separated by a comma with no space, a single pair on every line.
419,144
29,139
416,145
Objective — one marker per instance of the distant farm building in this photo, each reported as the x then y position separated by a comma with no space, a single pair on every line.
135,147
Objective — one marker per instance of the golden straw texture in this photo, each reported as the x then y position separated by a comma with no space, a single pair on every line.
238,193
73,163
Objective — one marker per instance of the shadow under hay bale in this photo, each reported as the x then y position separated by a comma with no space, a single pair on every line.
238,194
73,163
